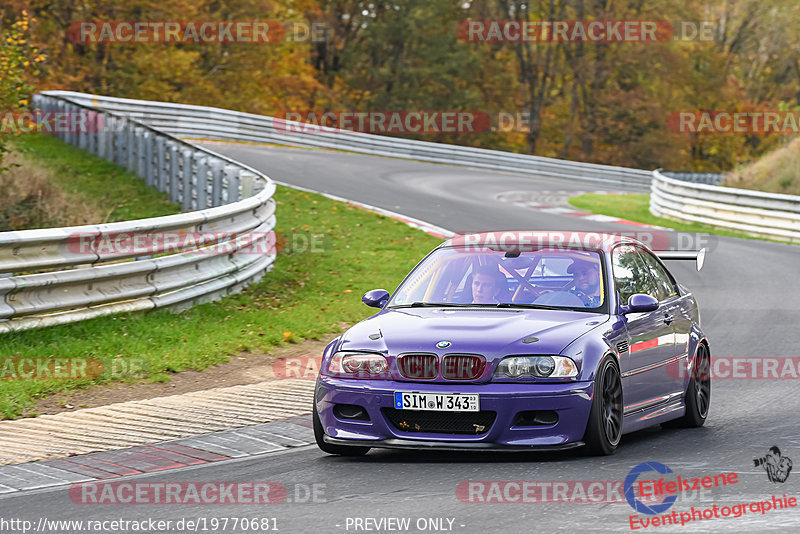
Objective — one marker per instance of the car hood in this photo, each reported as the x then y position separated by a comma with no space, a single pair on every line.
492,332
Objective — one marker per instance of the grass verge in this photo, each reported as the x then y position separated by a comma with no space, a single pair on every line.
775,172
100,191
636,207
332,254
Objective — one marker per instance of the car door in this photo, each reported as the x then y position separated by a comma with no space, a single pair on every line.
676,309
650,337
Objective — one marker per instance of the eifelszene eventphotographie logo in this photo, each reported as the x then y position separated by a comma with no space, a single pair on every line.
630,486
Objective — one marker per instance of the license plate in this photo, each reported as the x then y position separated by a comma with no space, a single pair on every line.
444,402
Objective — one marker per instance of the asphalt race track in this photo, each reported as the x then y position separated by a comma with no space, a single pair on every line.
749,300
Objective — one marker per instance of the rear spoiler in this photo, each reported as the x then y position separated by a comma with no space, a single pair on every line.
699,256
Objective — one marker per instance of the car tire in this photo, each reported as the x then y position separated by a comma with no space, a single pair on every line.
341,450
604,428
698,393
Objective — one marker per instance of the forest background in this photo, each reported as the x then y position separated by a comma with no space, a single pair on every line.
605,102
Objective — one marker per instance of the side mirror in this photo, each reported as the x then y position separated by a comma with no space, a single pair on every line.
377,298
640,303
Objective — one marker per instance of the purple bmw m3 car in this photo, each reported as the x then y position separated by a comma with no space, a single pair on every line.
519,341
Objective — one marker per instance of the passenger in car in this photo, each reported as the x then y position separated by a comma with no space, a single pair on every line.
586,282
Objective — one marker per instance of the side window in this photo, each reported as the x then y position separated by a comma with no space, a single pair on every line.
631,274
664,282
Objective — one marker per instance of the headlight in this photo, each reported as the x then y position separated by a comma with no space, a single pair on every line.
538,366
357,365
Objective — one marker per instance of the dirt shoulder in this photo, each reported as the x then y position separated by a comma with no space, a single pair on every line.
246,368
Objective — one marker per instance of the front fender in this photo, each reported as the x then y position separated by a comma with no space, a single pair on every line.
588,351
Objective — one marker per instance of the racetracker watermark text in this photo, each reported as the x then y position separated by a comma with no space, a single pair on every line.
55,122
522,241
196,31
734,122
743,367
296,367
416,121
73,368
194,493
128,244
383,122
589,31
550,491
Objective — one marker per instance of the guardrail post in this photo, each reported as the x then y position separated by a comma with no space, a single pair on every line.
82,137
113,140
149,166
101,125
232,183
141,152
52,106
119,143
55,106
70,135
247,179
161,164
216,182
174,170
186,192
89,127
131,147
63,134
202,182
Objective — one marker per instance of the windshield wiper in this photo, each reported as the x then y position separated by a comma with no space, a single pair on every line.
419,304
432,305
536,306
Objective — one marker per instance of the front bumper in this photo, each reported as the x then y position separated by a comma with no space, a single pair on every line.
571,402
448,446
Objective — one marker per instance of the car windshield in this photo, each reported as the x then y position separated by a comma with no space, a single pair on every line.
545,278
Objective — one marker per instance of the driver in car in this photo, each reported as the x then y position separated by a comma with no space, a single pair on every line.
586,282
488,285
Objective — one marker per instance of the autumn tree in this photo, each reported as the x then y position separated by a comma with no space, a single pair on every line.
19,65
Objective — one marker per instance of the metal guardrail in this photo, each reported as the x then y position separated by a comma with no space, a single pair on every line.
83,280
756,213
710,178
202,122
145,136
